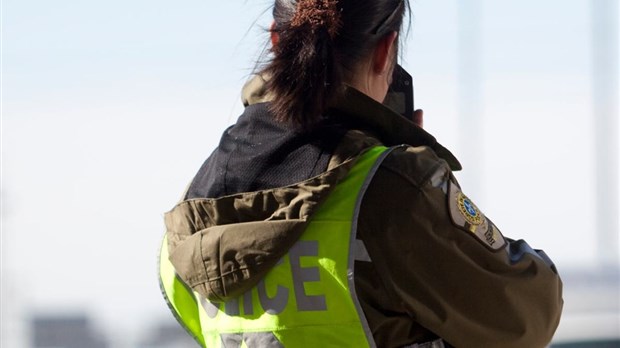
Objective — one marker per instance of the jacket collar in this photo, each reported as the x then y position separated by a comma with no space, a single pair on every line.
361,111
390,127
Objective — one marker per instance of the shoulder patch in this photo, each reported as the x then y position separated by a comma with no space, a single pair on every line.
468,217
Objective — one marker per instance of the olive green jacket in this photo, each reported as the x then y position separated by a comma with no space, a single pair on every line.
436,267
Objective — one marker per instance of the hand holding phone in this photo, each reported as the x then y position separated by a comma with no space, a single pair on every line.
400,95
418,118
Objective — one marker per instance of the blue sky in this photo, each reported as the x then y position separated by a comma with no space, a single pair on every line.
109,108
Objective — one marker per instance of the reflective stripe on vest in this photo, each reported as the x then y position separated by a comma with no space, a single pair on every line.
308,299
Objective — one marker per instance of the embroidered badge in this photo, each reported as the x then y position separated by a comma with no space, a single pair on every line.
467,216
469,210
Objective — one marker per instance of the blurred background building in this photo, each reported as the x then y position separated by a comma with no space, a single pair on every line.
58,330
68,331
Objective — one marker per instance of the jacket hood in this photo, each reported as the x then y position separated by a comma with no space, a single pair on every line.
223,247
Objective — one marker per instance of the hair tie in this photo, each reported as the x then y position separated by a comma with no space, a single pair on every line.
318,14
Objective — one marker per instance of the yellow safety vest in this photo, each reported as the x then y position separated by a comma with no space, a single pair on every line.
307,300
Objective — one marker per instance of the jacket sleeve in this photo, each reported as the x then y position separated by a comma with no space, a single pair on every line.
449,266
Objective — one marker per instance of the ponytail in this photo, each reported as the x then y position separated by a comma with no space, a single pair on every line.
320,44
304,73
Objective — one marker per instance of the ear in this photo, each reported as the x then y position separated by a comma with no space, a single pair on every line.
383,55
274,35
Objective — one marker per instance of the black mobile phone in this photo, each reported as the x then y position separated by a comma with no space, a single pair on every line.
400,95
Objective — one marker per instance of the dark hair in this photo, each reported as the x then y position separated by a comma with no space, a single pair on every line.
320,44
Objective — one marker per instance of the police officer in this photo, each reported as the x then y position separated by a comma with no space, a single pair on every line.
325,218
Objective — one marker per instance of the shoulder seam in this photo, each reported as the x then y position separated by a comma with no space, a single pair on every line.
425,178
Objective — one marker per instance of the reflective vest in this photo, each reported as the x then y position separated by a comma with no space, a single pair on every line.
307,300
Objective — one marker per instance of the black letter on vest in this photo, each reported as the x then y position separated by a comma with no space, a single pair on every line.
273,305
232,308
306,274
231,340
211,308
251,339
261,339
248,306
